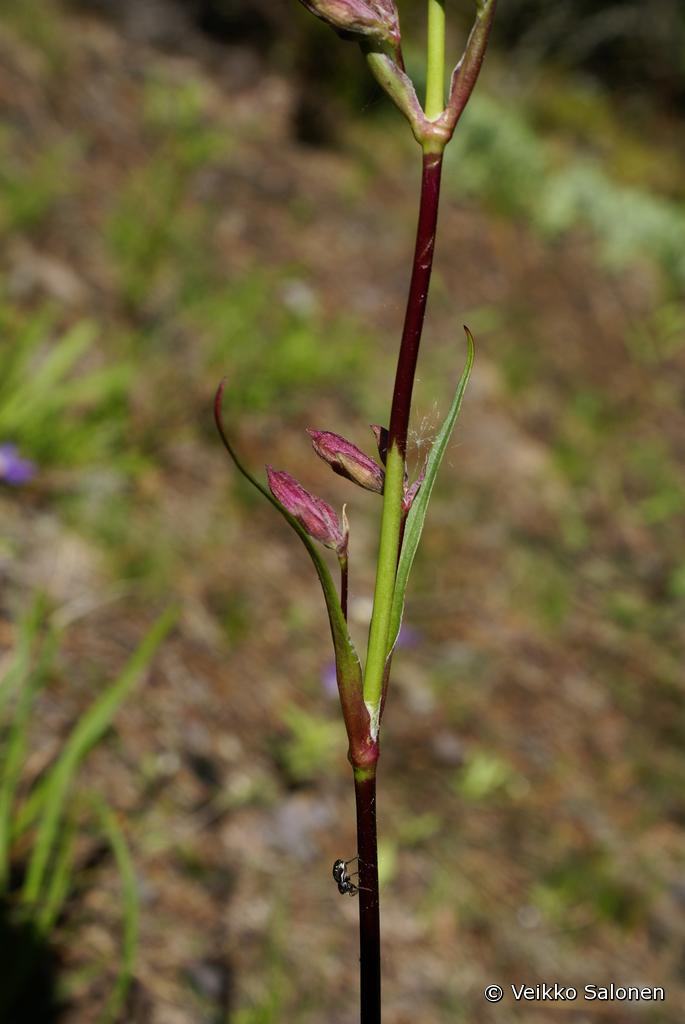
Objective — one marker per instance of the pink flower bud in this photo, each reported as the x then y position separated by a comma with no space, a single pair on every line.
347,460
313,514
376,18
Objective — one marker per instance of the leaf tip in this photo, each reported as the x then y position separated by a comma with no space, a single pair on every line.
218,403
471,343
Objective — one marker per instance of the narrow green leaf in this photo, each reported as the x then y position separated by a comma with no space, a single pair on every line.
27,338
25,816
130,908
83,737
16,747
63,355
19,666
48,375
14,678
59,881
346,656
417,513
94,386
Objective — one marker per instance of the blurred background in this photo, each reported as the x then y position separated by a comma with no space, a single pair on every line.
214,187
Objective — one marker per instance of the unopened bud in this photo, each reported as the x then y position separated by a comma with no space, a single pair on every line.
313,514
376,18
347,460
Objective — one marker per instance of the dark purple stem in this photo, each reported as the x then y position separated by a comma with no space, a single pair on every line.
365,779
416,302
369,908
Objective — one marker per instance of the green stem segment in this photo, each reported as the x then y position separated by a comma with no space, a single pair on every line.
388,550
435,71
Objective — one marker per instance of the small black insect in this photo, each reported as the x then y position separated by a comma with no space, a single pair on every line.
346,886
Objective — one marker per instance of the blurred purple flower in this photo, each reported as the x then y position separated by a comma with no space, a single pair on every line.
329,679
13,469
408,636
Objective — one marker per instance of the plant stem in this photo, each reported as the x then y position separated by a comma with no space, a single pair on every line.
388,547
369,907
391,519
377,667
416,301
435,69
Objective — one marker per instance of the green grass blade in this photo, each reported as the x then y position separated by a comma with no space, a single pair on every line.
63,356
17,671
26,337
86,733
20,664
130,908
41,384
10,772
60,880
95,386
417,514
29,811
